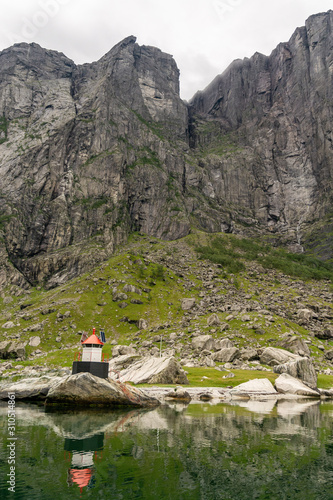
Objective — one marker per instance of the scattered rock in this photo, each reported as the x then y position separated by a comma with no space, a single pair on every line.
258,386
8,324
286,384
249,355
14,350
305,315
136,301
132,289
152,370
142,324
203,342
213,320
187,304
329,355
48,310
223,344
4,345
301,368
326,334
123,350
31,388
119,297
227,355
122,305
178,394
34,341
273,356
296,345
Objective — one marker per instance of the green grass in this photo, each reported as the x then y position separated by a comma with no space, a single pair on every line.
325,381
215,377
144,263
230,252
3,129
152,126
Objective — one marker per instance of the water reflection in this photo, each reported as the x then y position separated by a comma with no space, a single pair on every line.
246,450
81,454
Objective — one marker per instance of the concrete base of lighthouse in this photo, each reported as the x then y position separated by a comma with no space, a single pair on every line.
98,368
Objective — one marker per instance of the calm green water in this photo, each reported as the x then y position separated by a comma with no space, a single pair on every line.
245,451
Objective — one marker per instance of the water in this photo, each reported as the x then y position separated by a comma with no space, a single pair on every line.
249,450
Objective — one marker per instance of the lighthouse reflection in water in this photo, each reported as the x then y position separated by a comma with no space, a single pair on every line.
82,453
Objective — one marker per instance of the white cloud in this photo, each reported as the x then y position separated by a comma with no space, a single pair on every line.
204,36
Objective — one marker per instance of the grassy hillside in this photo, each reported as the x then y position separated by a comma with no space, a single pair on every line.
255,291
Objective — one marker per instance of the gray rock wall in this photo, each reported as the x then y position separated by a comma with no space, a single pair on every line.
90,153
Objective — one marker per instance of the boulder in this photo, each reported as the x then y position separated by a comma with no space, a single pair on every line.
249,355
4,345
296,345
326,334
178,394
207,361
36,328
301,368
286,384
226,355
150,370
213,320
31,388
223,344
8,324
132,289
329,355
142,324
119,297
34,341
122,361
85,389
122,350
305,315
273,356
187,304
203,342
13,350
256,386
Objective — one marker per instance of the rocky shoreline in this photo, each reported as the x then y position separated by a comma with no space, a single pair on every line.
85,389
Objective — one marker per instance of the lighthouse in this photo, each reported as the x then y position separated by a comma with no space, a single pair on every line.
91,358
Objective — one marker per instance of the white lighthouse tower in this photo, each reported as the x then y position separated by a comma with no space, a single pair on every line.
91,359
92,348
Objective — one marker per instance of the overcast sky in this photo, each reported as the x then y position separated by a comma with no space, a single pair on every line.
204,36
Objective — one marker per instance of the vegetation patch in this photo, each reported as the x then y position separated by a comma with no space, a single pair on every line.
153,127
210,377
3,129
230,252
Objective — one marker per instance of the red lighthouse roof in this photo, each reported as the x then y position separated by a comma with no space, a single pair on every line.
93,339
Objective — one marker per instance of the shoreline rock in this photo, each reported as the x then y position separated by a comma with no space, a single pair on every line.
85,389
149,370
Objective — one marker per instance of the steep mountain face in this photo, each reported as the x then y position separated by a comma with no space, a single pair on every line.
277,112
90,153
86,155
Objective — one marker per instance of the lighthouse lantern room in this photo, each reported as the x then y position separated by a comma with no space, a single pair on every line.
92,348
91,360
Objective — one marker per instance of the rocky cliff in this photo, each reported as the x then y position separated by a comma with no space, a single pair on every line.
266,125
91,153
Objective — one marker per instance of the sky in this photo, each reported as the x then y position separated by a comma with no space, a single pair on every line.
204,36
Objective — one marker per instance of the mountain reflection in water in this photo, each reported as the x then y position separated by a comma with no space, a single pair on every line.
245,450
